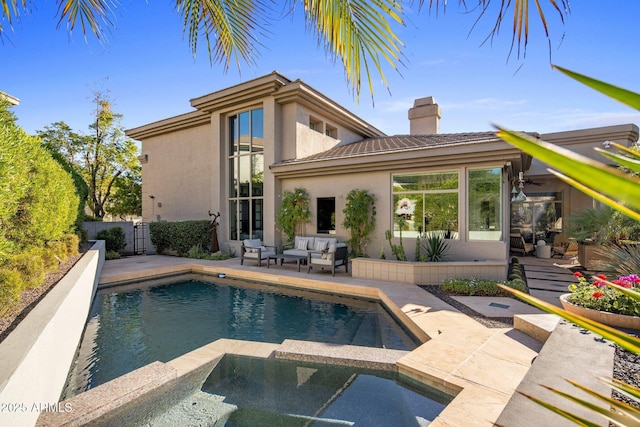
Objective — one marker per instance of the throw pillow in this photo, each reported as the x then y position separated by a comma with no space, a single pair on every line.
333,248
321,245
302,244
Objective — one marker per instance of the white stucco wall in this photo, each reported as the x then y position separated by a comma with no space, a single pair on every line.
37,355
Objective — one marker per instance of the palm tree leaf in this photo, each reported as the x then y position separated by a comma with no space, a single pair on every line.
625,96
631,414
627,389
590,192
626,341
625,161
628,151
359,33
234,26
565,414
605,412
92,14
628,292
595,175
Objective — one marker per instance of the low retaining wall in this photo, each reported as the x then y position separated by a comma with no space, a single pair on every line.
426,273
37,355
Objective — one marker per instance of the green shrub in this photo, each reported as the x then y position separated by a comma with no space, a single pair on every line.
114,239
112,255
72,242
180,236
479,287
30,265
198,253
10,288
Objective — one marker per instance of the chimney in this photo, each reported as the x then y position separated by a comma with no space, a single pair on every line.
424,117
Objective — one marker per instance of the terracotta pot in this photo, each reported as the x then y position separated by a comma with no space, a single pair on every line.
610,319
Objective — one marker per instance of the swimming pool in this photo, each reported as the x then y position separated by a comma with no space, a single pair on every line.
134,325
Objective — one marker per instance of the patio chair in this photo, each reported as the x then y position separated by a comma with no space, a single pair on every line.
254,249
518,245
564,246
335,256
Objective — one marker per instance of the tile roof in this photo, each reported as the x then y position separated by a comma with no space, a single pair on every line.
389,144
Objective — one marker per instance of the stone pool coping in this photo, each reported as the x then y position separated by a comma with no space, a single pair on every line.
481,367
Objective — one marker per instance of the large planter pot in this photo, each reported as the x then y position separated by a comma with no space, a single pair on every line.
587,256
610,319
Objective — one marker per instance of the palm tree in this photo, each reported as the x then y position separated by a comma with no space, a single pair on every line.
359,33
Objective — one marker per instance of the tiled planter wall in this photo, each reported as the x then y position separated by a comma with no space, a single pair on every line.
426,273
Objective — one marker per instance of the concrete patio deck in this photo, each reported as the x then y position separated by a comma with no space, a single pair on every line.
481,366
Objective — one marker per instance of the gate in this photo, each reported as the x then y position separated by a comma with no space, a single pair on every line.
139,238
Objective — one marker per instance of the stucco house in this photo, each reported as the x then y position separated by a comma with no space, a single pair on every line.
243,146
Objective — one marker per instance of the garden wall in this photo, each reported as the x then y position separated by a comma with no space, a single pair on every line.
37,355
426,273
94,227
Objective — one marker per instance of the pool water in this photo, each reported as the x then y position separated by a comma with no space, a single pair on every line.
132,326
243,391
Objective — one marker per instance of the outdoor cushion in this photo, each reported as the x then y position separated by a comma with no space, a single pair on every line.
302,245
252,243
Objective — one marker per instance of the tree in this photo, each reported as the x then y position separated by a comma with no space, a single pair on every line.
294,213
359,33
100,157
127,195
360,220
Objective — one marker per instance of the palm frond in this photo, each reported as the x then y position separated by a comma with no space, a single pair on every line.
231,28
521,13
93,15
627,97
359,33
565,414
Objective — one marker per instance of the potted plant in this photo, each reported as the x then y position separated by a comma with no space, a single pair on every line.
604,304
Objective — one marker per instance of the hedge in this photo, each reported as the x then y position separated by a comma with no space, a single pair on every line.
181,236
38,209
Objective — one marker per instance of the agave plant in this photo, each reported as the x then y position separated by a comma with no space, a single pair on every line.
616,189
435,247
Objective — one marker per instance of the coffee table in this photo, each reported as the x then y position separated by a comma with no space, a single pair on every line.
297,258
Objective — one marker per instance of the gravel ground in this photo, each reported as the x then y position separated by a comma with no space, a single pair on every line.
30,297
489,322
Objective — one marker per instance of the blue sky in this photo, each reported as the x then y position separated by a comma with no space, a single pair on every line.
147,66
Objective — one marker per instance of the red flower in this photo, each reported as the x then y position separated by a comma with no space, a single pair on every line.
577,274
597,295
601,277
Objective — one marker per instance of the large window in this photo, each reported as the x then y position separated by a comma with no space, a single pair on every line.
485,207
246,175
425,203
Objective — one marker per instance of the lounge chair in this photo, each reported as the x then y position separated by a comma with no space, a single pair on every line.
564,246
336,256
254,249
518,245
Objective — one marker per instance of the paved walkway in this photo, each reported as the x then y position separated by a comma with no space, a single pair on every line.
548,278
480,365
